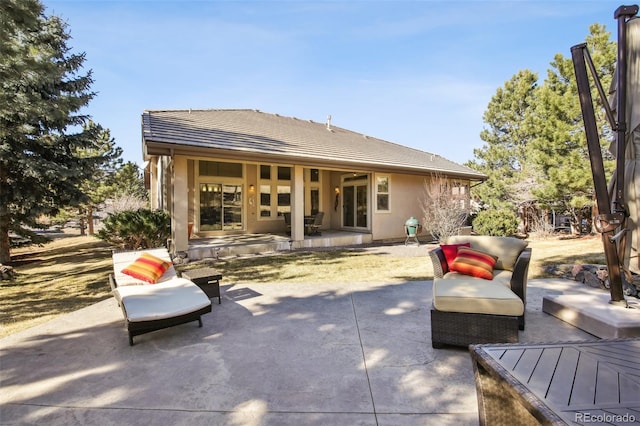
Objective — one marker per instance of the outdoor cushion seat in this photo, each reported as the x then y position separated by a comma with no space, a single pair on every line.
499,276
457,293
169,299
149,307
470,310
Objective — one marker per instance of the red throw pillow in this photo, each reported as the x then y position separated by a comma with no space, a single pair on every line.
475,263
451,251
147,268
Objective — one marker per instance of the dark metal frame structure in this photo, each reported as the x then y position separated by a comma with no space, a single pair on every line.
612,211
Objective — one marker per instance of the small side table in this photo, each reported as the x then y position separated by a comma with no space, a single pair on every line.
208,279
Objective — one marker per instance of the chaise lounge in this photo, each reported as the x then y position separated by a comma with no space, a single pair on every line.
152,302
479,290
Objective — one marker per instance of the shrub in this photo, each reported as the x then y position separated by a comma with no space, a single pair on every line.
496,222
137,229
443,214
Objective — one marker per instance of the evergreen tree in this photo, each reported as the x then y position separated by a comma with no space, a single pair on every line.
42,91
129,182
559,147
504,157
535,145
102,182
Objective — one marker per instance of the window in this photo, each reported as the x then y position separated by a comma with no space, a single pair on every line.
275,190
458,188
218,168
284,173
265,172
460,191
312,191
382,193
265,200
284,199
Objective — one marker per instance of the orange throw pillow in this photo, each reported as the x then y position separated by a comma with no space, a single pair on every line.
475,263
147,268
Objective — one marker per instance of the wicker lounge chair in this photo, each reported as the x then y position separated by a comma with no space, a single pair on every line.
468,310
150,307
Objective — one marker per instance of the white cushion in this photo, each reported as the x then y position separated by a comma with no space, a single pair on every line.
499,276
168,299
461,293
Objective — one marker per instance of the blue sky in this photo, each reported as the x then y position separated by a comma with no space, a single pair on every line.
417,73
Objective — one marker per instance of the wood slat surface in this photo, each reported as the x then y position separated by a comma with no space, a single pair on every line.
575,380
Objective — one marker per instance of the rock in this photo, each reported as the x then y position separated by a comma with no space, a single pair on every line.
595,276
591,279
602,273
7,272
635,281
628,289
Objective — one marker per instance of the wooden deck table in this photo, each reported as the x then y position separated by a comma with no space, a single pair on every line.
558,383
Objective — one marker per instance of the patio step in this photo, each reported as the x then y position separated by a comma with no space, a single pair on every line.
242,245
329,239
247,244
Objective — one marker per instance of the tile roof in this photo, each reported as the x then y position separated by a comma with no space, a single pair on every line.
254,133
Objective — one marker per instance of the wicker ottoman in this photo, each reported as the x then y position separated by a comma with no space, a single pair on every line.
208,279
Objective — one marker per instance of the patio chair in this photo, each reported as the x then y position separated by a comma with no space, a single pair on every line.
313,227
287,222
480,294
148,307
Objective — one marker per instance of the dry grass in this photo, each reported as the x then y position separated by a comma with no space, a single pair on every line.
59,277
339,265
72,272
564,250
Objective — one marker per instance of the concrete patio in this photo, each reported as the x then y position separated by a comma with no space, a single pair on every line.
270,354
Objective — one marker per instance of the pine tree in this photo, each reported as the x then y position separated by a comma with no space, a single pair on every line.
504,157
129,182
535,145
559,148
42,93
102,182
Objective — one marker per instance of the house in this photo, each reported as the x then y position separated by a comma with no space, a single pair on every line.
222,172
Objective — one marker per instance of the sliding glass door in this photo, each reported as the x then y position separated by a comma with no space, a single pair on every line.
355,202
220,207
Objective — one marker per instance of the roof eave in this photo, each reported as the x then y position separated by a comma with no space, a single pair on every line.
152,148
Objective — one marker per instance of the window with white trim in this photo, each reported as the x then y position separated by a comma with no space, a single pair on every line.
460,192
382,194
275,190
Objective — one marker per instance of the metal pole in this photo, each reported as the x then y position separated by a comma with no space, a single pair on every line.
605,222
622,14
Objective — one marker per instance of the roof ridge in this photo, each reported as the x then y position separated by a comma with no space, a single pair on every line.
202,109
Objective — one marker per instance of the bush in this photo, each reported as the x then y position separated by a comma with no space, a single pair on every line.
496,222
443,215
137,229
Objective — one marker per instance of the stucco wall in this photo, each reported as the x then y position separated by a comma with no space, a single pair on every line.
404,194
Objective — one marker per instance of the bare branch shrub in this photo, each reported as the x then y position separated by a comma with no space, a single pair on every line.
125,203
444,213
540,227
